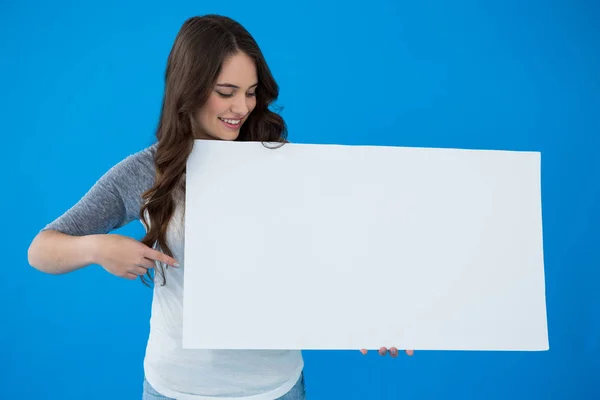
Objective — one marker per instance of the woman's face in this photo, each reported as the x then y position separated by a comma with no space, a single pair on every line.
231,101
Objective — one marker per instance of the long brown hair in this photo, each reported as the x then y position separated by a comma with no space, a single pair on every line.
193,66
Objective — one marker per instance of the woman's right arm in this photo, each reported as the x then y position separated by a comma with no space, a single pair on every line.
57,253
81,236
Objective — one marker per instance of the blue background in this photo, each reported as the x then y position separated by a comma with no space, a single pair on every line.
81,89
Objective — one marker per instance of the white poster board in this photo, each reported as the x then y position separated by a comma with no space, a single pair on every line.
349,247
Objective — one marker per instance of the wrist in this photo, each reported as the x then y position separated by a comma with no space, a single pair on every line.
91,249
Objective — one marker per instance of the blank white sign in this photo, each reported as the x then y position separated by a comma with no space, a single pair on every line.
350,247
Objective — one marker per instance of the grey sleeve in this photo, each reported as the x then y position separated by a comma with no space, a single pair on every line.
113,201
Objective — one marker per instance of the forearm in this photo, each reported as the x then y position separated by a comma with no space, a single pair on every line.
56,253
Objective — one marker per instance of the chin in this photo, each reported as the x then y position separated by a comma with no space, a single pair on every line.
229,136
220,135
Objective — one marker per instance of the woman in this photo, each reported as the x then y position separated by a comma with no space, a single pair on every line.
217,86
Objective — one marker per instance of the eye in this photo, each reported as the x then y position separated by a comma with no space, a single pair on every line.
251,94
225,95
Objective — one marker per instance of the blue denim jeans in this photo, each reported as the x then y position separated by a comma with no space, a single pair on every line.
296,393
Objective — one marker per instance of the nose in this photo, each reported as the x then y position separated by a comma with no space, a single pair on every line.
240,105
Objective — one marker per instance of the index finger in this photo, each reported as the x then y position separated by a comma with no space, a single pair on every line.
162,257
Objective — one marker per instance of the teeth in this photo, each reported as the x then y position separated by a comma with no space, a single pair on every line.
231,121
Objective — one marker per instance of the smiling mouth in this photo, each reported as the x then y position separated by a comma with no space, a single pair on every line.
233,122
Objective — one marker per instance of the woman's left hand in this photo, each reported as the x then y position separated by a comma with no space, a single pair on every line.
393,351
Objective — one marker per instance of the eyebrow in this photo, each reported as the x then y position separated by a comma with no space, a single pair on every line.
229,85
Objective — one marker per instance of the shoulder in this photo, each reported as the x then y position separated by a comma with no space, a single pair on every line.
133,174
128,179
139,164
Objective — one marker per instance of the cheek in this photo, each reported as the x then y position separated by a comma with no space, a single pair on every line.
216,106
251,104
